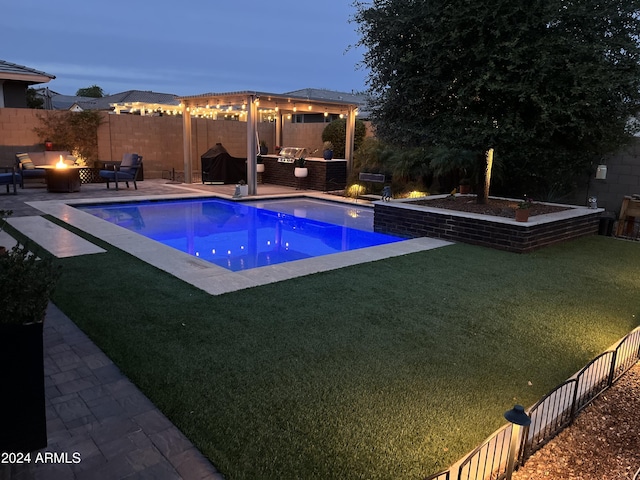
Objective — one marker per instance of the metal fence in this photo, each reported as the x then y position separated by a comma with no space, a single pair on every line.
549,416
178,176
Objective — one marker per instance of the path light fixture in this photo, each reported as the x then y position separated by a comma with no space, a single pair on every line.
518,419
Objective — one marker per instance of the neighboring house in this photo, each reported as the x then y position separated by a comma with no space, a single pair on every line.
14,82
130,98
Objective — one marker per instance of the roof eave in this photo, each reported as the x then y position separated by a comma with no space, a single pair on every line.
25,77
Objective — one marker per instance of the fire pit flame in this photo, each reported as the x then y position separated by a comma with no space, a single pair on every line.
61,163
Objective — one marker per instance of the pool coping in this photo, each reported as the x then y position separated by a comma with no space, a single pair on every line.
206,276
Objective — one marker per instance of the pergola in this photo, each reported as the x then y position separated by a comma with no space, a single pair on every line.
250,104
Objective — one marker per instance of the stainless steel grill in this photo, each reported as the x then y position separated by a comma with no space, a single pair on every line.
289,154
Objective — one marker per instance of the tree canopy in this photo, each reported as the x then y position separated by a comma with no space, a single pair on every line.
549,84
94,91
33,101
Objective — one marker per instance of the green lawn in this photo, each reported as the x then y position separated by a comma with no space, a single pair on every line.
392,369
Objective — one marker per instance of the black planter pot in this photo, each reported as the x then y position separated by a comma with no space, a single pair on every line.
23,418
327,154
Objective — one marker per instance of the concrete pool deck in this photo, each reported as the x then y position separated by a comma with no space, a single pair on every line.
211,278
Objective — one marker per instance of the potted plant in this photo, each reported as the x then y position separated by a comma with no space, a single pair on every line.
464,186
259,164
27,285
300,170
242,189
327,150
522,210
263,148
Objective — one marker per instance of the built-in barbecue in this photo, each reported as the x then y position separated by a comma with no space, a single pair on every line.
290,154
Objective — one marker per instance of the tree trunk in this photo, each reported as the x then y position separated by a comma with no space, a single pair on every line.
483,197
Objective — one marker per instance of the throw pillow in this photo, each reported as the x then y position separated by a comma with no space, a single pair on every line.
25,161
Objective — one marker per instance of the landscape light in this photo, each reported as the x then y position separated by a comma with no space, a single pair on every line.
518,419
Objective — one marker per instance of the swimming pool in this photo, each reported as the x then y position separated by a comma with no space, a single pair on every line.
245,235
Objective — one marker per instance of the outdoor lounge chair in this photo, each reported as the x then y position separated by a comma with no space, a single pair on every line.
126,171
10,177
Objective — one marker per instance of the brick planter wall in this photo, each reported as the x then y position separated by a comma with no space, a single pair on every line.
323,174
502,233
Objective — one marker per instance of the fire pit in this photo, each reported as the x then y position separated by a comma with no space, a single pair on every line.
63,178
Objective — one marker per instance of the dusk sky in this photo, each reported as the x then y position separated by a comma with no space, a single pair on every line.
188,47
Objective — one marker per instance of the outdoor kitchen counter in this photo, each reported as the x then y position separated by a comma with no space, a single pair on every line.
323,174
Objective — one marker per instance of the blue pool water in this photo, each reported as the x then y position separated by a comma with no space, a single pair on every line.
244,235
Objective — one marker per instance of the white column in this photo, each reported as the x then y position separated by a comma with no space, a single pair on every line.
278,129
252,145
186,143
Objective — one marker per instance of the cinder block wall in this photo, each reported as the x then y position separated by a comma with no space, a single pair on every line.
157,139
307,135
16,132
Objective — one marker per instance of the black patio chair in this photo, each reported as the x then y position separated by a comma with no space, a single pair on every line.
126,171
10,177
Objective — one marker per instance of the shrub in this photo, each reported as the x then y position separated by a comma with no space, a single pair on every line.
27,284
336,132
73,131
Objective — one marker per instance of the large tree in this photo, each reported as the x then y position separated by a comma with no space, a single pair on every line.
94,91
548,84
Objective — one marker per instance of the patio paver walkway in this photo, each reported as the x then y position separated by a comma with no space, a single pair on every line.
94,410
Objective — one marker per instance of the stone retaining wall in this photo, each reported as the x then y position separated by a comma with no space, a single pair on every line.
412,221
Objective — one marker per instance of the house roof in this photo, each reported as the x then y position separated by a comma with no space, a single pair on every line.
20,73
66,102
321,93
142,96
359,99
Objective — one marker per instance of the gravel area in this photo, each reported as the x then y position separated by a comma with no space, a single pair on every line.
603,443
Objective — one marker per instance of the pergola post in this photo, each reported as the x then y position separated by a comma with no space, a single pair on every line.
350,137
278,129
186,144
252,145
